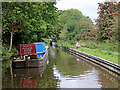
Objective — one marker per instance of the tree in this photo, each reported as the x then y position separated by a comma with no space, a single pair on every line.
107,20
11,23
74,24
28,22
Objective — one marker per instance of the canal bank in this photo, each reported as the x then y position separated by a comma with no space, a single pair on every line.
102,62
63,71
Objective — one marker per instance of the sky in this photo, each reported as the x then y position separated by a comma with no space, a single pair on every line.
87,7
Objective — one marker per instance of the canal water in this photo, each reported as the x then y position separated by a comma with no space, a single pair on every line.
62,71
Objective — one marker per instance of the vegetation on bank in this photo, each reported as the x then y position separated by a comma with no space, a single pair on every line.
25,23
6,54
101,39
75,25
96,51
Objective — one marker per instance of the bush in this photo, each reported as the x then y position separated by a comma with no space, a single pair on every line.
6,54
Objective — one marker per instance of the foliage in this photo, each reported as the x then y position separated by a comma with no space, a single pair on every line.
36,19
111,46
6,54
72,14
29,22
47,41
74,24
87,28
94,40
107,21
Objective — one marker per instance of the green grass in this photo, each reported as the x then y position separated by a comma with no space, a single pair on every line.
106,45
102,54
108,55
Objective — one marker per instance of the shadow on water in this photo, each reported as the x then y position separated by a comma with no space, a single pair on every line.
62,71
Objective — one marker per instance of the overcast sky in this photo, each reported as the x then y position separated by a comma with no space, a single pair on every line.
87,7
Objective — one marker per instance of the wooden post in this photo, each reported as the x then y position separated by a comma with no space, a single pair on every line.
26,61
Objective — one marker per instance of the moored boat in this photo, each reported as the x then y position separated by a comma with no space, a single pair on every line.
32,55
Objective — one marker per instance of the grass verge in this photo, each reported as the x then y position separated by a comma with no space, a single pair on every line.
108,55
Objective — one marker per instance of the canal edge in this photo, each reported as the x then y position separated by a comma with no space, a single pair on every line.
102,62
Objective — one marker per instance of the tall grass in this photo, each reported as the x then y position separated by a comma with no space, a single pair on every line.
106,45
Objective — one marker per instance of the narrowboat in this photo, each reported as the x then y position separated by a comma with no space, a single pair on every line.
32,55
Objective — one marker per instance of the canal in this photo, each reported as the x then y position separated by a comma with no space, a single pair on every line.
62,71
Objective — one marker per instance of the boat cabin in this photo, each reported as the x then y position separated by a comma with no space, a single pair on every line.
32,55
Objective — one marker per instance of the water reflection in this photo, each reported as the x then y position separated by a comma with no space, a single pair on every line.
28,83
80,81
63,71
78,60
26,78
76,73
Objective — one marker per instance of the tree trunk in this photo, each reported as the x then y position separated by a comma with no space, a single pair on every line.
11,72
11,41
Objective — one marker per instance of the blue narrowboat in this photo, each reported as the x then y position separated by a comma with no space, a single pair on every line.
32,55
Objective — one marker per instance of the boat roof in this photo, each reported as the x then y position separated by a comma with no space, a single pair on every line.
38,42
34,43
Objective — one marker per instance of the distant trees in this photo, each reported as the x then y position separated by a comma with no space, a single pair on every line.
74,24
107,21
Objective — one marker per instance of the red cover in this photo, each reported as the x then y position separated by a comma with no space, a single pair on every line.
27,49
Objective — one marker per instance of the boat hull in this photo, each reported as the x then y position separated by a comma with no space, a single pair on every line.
30,63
